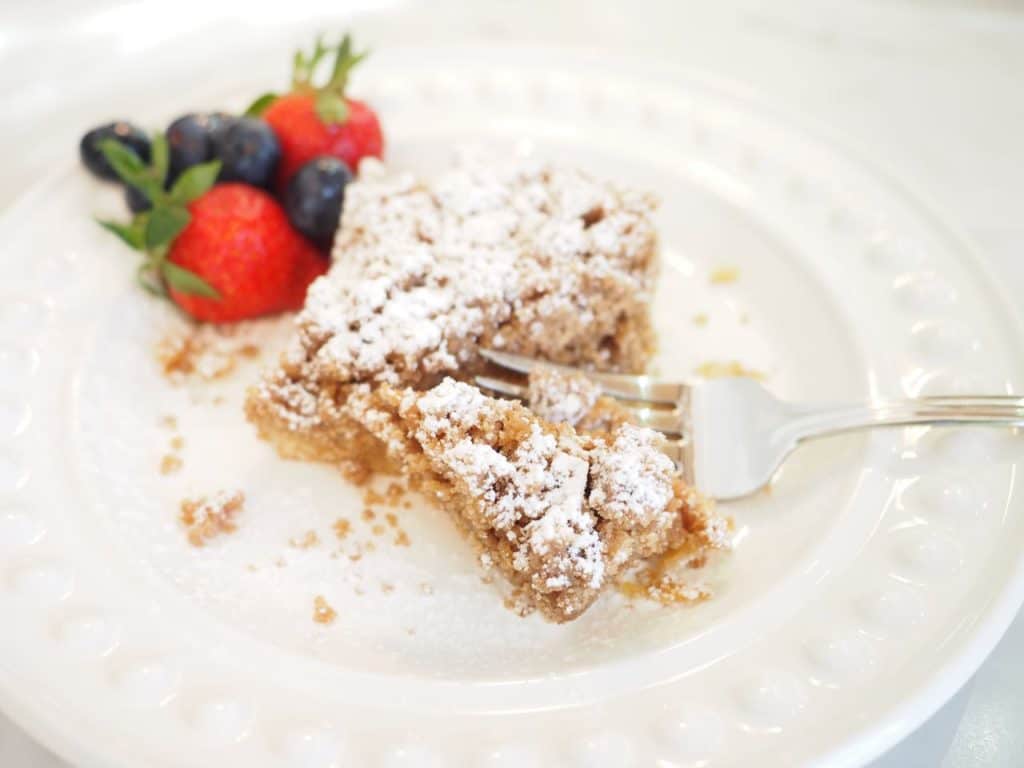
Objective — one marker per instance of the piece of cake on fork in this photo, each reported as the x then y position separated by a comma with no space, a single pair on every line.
517,255
562,514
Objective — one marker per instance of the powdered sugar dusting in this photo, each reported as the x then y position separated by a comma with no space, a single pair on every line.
533,495
422,275
561,397
632,478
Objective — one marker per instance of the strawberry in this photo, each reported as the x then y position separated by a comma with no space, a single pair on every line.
313,120
223,253
239,241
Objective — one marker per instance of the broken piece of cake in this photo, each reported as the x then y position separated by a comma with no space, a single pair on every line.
560,513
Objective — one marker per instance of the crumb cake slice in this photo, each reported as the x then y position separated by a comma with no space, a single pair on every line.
517,255
560,513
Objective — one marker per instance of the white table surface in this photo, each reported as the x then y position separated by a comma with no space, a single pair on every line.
932,90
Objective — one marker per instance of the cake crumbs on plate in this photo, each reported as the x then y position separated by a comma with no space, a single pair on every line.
342,528
202,351
369,514
170,463
208,517
309,540
720,369
402,539
169,421
323,613
724,275
377,529
392,519
177,443
700,319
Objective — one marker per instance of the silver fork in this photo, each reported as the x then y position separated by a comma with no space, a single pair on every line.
730,435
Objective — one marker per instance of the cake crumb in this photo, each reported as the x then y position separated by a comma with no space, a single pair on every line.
723,275
208,517
309,540
665,579
170,464
371,497
406,505
719,369
402,539
394,494
323,613
356,472
250,351
280,562
177,443
342,528
169,422
369,514
377,529
355,557
700,320
392,519
387,587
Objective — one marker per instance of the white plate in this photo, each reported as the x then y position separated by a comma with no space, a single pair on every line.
865,588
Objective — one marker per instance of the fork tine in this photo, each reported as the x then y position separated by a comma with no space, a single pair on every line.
640,388
667,421
502,387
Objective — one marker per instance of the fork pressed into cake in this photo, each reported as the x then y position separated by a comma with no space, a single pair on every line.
560,513
516,255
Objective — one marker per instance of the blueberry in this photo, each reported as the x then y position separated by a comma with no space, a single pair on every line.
248,151
137,202
130,135
191,140
314,198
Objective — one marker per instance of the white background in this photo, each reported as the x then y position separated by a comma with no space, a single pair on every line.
932,90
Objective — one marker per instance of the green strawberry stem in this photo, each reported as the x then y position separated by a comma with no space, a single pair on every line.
331,105
153,232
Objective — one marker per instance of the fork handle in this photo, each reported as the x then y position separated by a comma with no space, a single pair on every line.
992,410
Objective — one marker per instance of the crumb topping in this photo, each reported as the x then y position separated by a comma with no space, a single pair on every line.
561,397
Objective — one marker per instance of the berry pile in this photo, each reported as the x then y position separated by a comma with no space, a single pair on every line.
235,215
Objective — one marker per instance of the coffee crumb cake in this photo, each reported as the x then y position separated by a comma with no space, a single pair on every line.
515,254
560,513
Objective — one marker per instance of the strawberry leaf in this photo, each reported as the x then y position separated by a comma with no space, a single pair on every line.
194,182
147,277
128,165
331,108
260,104
165,222
160,161
304,70
184,281
131,235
